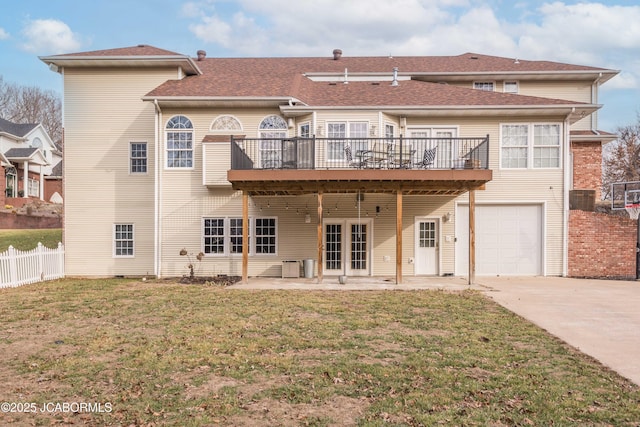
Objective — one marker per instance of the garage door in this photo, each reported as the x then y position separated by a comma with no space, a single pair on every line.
508,240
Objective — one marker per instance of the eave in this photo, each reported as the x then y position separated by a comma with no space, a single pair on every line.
593,135
219,101
601,76
60,61
574,112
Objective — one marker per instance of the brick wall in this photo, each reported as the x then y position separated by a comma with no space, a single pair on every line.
601,245
587,166
14,221
52,186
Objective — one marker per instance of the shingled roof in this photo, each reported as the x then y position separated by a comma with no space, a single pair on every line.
294,78
16,129
139,50
306,80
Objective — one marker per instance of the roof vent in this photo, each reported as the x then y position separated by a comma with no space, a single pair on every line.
395,77
142,45
337,54
473,57
201,55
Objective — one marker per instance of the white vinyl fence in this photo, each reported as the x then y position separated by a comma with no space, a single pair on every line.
37,265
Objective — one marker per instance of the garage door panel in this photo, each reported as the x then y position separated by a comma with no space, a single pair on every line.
508,240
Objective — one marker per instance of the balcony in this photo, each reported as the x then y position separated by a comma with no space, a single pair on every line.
291,166
359,153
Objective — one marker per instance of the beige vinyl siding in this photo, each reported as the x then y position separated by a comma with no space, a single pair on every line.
571,90
186,201
507,186
216,162
544,186
103,114
578,91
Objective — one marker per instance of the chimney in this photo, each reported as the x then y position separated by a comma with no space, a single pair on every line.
337,53
395,77
201,55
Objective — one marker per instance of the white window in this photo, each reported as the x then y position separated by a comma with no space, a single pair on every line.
357,132
305,130
389,130
530,146
34,187
138,157
235,235
546,146
265,232
213,235
179,134
488,86
123,240
510,87
223,236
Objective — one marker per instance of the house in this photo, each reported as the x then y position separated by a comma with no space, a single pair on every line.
27,157
369,166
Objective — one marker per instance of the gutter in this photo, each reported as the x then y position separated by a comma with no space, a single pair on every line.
78,60
566,184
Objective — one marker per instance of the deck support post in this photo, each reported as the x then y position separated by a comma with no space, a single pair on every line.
320,239
399,237
245,237
472,237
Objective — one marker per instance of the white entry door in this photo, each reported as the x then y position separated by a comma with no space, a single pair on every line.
347,244
427,246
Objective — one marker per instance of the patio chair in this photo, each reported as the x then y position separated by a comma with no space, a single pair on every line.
428,157
354,163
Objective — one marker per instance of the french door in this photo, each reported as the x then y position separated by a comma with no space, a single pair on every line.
347,244
446,151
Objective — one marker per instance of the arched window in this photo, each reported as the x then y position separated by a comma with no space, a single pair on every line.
37,143
273,123
226,123
272,130
179,134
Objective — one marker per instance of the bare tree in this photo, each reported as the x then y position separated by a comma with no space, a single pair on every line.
622,158
30,104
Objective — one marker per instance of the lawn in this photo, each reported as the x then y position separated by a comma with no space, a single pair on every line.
28,239
158,353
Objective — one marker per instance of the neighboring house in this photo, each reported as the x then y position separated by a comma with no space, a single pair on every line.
28,156
371,166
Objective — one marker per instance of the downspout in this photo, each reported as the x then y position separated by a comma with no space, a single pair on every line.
157,228
566,185
594,100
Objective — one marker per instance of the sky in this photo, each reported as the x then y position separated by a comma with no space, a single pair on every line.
601,33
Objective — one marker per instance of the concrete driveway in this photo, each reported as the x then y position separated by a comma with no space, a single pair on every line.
600,318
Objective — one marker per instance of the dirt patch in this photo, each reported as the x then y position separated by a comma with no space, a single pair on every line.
339,411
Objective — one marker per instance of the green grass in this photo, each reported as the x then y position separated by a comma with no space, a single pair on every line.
166,354
28,239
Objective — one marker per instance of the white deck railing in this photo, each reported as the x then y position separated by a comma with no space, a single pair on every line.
37,265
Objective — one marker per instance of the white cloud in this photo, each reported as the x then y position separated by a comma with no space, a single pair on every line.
45,36
3,34
583,33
